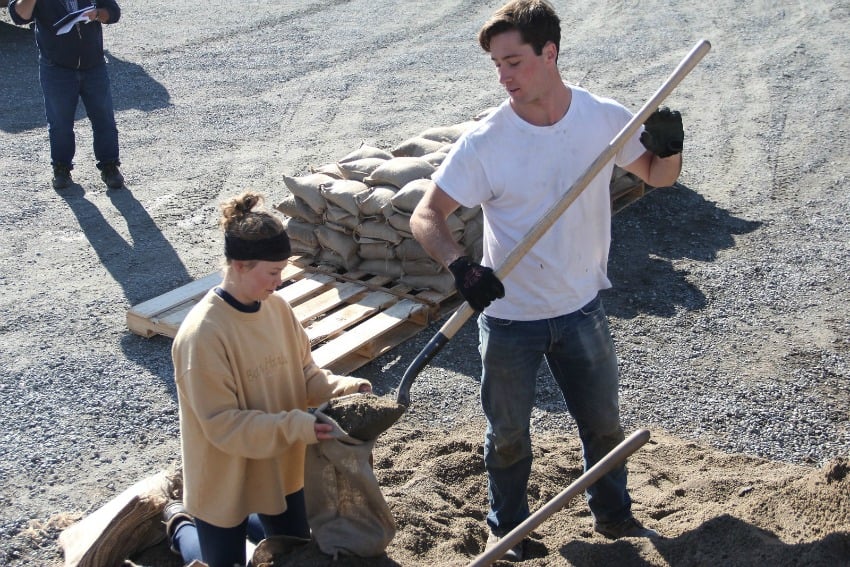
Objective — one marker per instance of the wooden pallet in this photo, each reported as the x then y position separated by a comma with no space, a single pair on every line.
350,318
626,189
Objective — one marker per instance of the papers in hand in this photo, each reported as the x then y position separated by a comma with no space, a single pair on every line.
65,24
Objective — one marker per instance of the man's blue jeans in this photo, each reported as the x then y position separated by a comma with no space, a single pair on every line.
579,351
62,89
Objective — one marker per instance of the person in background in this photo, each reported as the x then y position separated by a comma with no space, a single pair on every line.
516,164
72,66
245,378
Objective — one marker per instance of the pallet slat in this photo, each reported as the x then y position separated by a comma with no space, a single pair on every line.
350,318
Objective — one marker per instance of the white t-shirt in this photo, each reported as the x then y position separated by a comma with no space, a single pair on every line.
517,171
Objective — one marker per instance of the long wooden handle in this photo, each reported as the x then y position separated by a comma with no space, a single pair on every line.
616,456
464,312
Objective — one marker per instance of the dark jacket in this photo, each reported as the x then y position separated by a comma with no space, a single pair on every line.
80,48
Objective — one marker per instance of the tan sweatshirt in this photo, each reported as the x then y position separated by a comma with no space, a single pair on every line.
244,383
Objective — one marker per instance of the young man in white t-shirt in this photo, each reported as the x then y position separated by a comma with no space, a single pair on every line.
516,164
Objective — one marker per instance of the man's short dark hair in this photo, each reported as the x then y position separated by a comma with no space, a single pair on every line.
535,20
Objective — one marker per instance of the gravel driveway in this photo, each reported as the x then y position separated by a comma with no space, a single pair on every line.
730,299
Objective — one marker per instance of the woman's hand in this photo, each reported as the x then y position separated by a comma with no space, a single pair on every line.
365,389
323,431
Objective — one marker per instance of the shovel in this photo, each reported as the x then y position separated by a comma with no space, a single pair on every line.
388,414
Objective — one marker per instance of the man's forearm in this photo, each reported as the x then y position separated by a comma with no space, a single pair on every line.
663,172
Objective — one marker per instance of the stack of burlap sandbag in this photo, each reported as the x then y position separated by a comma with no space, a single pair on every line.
354,214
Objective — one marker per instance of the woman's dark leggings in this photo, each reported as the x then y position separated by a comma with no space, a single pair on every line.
225,547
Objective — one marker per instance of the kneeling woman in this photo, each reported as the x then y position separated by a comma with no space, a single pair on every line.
245,378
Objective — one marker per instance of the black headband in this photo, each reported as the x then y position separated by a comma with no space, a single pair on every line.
272,249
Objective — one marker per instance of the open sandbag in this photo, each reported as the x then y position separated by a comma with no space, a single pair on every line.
416,147
306,188
127,524
347,512
399,171
366,151
342,193
376,202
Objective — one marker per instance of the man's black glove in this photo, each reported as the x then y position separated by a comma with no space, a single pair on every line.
476,283
663,134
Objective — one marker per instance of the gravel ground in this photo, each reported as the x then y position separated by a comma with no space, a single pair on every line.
730,299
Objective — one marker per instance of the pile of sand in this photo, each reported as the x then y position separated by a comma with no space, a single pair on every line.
713,508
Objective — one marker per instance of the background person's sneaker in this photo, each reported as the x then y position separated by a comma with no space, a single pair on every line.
626,528
111,175
61,176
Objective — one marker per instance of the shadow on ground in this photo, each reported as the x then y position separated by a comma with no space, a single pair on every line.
745,544
668,224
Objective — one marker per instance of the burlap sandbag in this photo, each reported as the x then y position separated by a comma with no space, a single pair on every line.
421,267
387,267
366,151
336,241
342,193
304,250
295,208
306,188
127,524
435,158
302,231
416,147
377,250
406,199
447,134
359,169
329,169
340,219
399,171
377,230
347,512
376,202
410,249
330,258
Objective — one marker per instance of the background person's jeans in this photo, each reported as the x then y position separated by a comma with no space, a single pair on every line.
225,547
580,353
62,89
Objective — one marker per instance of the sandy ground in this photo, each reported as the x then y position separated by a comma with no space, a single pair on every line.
213,101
